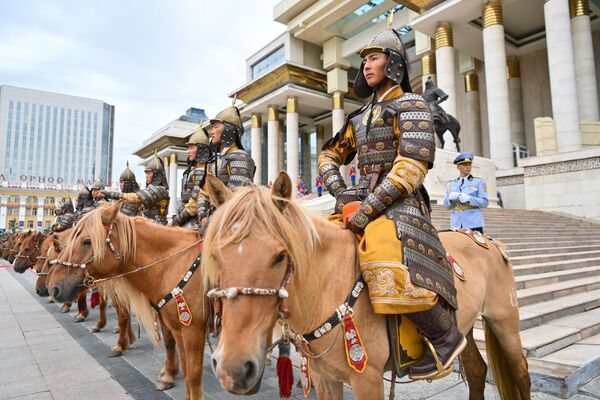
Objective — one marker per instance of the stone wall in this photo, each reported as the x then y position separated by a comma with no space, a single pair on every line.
511,185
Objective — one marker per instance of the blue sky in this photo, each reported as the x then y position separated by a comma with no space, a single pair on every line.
150,59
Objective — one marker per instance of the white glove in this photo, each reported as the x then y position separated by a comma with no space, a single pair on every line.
453,196
464,198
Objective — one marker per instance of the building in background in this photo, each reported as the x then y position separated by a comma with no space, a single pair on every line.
53,138
50,144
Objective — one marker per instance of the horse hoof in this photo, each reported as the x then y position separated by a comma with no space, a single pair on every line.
164,386
115,353
116,330
79,318
95,330
64,310
50,300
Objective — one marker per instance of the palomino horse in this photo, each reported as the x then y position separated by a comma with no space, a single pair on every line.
29,252
145,263
260,239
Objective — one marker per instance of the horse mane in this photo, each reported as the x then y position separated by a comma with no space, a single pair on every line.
91,223
252,209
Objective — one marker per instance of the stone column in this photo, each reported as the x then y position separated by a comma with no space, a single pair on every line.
561,65
471,129
320,129
3,212
282,166
515,96
173,185
446,73
306,154
273,143
166,163
22,205
337,122
256,146
292,137
429,70
40,213
583,52
494,53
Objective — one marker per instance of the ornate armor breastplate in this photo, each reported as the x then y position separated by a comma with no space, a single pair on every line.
237,169
155,200
187,184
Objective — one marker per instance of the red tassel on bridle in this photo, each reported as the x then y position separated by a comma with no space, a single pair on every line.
95,298
285,373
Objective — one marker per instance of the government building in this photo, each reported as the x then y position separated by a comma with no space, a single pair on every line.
50,144
521,78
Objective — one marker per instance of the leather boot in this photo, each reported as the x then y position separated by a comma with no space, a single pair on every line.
441,333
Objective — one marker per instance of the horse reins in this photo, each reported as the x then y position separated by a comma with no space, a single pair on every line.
36,247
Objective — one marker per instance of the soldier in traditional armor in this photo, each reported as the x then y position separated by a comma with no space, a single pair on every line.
154,198
236,166
85,203
402,260
127,184
97,188
199,155
65,216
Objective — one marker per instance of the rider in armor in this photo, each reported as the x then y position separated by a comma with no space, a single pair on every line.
65,216
85,203
127,184
154,198
236,166
97,188
402,260
199,155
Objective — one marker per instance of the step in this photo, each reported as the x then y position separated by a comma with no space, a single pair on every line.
561,265
553,256
541,313
521,245
561,249
556,290
546,278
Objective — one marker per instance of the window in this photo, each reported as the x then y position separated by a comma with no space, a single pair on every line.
519,151
30,224
268,62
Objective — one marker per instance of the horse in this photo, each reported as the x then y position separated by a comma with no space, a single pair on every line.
28,252
440,127
146,262
267,250
14,246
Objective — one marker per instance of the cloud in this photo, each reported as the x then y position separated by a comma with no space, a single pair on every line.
150,59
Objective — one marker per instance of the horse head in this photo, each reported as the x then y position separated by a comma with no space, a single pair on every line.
29,251
83,255
256,239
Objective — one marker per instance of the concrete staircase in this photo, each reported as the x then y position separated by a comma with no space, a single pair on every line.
556,262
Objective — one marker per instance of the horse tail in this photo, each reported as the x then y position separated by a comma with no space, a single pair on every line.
500,366
122,292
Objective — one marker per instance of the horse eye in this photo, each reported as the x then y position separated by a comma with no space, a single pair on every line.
279,258
87,242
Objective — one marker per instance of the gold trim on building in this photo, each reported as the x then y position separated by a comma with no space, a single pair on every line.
419,6
577,8
512,68
492,14
428,62
166,161
471,82
273,113
256,121
292,104
173,158
443,36
337,100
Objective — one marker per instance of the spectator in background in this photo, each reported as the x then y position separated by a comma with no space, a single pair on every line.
319,185
352,173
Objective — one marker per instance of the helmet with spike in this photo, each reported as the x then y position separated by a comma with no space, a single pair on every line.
200,138
156,166
128,178
234,129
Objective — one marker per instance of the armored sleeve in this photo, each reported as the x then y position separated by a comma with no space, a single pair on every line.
64,222
337,151
241,169
416,153
148,196
111,195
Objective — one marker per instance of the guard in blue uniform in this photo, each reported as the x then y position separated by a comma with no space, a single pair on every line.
466,195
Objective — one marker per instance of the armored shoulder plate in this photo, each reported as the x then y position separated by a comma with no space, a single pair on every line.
237,169
155,202
416,127
131,210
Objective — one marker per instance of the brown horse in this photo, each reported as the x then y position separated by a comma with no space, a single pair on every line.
14,246
146,262
28,252
256,235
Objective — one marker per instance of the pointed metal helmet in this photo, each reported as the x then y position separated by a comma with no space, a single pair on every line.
155,165
127,174
200,136
98,184
388,42
234,128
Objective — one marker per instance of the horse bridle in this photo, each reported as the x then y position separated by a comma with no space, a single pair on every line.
88,280
37,247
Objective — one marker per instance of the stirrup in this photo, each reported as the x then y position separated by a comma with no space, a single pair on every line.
441,371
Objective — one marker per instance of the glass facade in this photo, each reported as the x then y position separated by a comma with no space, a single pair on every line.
63,141
268,63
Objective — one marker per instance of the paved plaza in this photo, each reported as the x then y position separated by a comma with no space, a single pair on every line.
45,355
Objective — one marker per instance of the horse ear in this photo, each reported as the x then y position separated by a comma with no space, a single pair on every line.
217,191
282,189
109,214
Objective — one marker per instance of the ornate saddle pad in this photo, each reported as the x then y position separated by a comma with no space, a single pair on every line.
405,343
475,236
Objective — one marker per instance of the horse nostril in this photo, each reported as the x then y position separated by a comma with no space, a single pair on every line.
250,371
55,292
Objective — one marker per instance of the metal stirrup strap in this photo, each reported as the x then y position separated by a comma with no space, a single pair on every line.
179,288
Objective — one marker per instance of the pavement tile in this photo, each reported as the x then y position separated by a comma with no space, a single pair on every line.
22,387
12,374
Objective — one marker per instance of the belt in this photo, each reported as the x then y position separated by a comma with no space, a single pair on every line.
463,207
